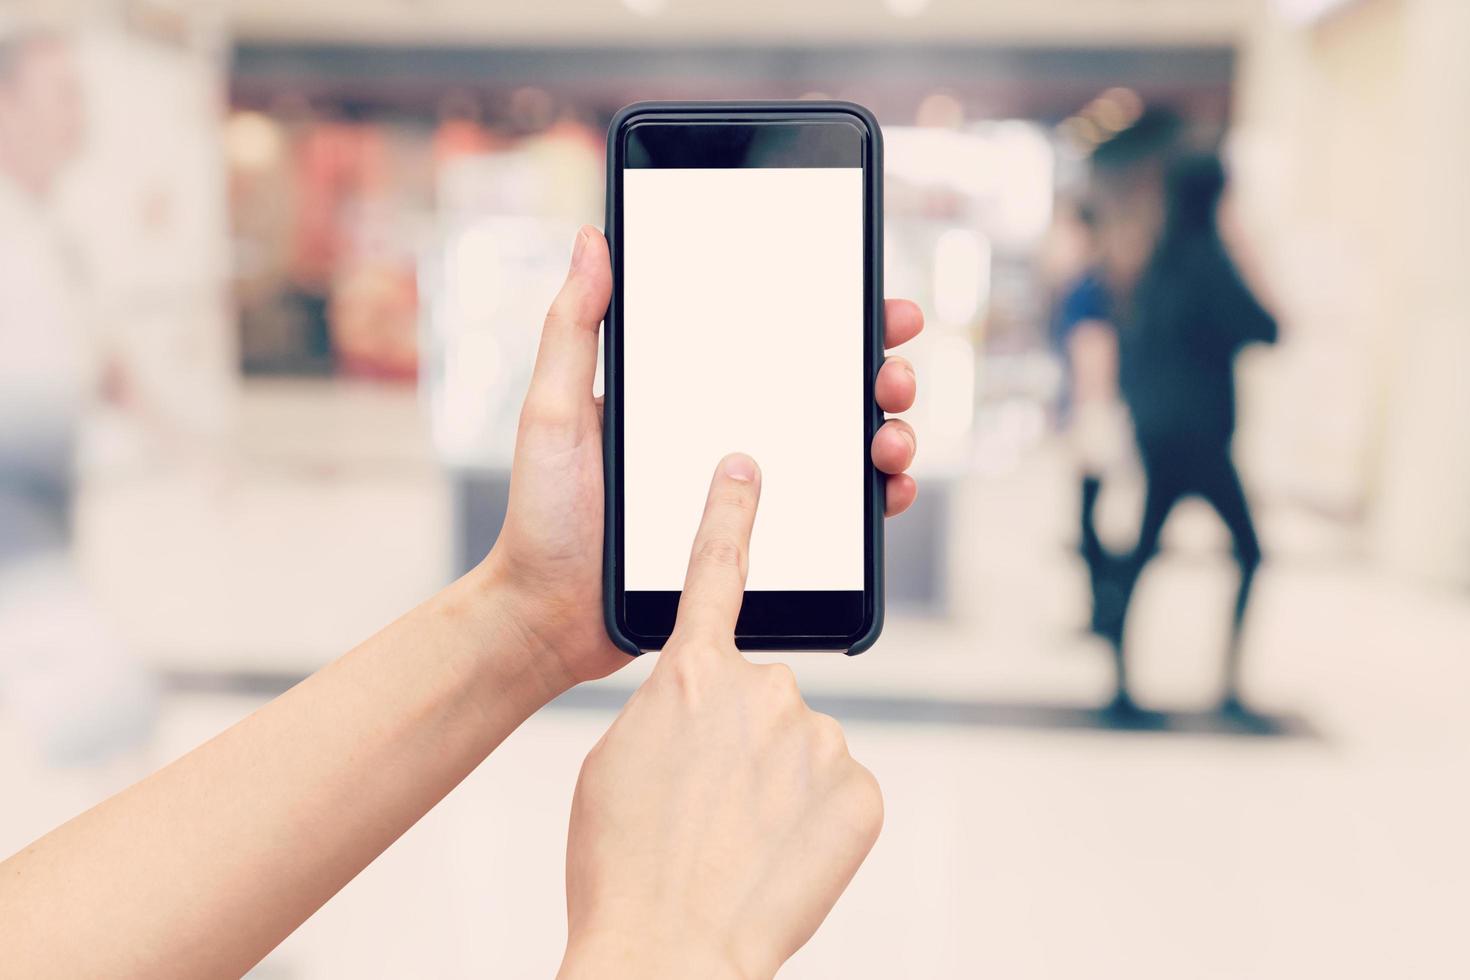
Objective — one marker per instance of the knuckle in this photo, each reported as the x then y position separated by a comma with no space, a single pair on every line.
720,551
867,800
828,736
781,681
683,675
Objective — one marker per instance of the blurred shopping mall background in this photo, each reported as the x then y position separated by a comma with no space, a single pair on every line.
312,243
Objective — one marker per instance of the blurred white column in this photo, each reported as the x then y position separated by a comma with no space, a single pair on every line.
147,208
1350,153
1422,522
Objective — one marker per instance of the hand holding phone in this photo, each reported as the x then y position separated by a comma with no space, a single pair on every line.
549,557
716,823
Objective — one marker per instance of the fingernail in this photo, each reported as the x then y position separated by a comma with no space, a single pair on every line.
740,468
580,247
909,438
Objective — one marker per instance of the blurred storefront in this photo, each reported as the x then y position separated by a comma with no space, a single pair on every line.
474,165
333,256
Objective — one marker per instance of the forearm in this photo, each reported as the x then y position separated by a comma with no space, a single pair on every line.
203,868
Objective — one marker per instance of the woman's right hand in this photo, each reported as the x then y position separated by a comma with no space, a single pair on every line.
718,820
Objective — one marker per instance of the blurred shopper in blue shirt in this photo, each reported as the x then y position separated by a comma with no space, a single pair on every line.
1086,341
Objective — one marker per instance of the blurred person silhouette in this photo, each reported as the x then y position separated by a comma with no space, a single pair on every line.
62,672
1181,326
1125,209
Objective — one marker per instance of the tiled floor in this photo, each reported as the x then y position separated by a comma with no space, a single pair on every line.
1011,849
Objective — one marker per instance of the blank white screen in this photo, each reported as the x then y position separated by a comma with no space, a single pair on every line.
743,331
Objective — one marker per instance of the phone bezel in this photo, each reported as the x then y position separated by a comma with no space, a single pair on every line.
785,620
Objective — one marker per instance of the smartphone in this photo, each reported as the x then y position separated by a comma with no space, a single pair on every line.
746,315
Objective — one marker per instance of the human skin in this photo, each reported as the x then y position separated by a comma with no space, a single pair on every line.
718,820
205,866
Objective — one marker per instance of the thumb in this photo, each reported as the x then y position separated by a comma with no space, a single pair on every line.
714,588
566,361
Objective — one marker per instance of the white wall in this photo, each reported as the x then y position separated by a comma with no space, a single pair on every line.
1423,517
1350,155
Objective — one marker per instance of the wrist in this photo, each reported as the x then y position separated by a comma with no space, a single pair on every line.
510,653
609,955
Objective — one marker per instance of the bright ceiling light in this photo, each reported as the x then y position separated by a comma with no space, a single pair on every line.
1308,11
906,8
941,110
647,8
253,141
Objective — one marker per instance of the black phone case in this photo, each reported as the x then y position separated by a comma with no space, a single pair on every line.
874,360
